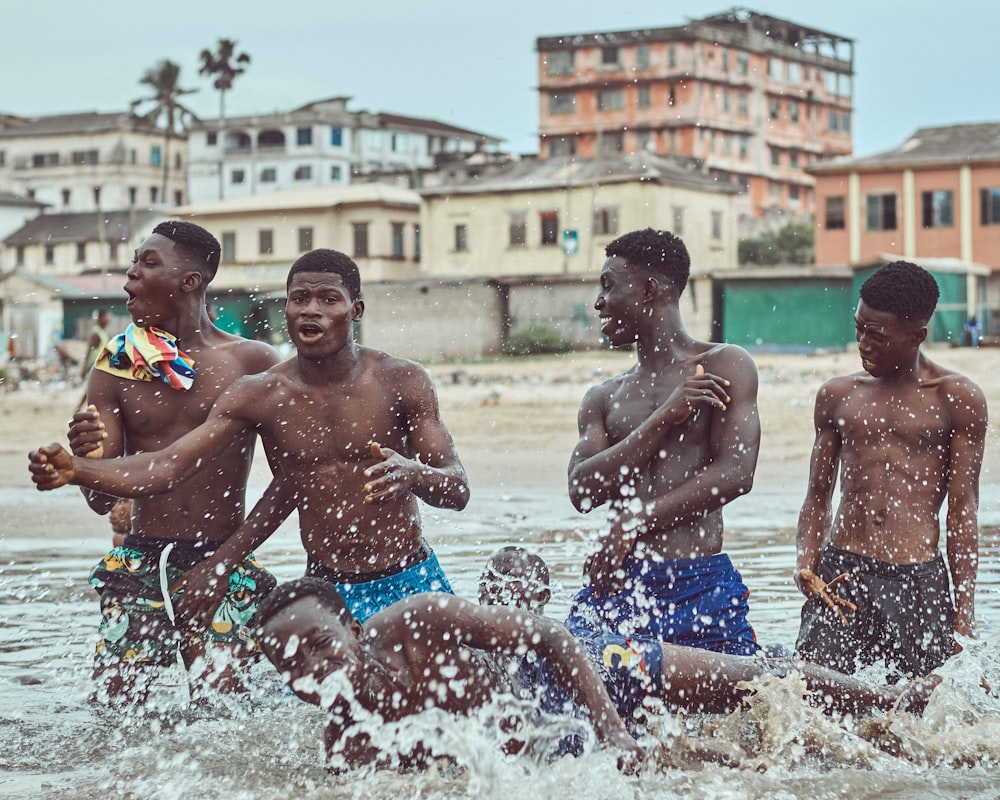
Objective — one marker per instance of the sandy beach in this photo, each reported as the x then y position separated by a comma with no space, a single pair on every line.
514,420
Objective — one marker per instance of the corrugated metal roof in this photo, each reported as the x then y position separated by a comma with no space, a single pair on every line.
75,123
315,197
84,227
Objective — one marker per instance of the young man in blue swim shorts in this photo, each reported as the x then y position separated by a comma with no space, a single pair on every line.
356,437
664,446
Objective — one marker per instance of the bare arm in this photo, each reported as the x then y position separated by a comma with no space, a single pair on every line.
434,474
597,465
816,511
969,424
90,429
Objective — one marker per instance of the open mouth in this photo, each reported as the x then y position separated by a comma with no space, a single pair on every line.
310,331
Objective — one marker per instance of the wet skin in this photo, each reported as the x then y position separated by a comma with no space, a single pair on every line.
902,435
667,444
429,650
356,435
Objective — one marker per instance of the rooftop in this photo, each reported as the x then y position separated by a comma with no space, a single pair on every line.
317,197
84,227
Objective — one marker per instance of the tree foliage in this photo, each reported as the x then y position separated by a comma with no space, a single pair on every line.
792,244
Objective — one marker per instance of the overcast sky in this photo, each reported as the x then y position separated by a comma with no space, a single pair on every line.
471,64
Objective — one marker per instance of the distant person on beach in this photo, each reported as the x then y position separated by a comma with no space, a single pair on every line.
903,434
149,386
426,651
973,330
96,341
639,671
356,432
665,446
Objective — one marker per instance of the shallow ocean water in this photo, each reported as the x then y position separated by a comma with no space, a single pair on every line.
53,744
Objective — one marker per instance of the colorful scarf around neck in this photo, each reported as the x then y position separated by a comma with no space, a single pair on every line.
143,354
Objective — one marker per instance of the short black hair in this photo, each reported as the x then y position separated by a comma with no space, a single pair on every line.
904,289
532,564
658,251
195,243
283,595
324,260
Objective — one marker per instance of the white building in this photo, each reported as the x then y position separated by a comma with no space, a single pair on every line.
89,161
319,144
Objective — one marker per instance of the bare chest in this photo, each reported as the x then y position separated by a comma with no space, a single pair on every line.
911,420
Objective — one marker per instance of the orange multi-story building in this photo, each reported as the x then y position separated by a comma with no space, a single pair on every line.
756,99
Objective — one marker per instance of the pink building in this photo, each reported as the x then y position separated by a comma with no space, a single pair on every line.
755,98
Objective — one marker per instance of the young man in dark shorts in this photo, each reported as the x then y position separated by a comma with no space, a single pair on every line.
665,445
149,387
903,434
355,434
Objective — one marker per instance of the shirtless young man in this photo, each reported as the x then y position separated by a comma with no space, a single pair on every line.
356,433
666,445
425,651
903,434
140,410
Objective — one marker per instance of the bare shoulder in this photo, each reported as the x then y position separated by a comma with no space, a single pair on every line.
597,396
727,359
254,356
956,391
395,371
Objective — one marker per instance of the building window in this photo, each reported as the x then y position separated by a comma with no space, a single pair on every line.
212,138
793,159
717,226
611,143
562,146
845,122
989,206
643,140
265,238
742,63
793,110
881,210
833,120
774,190
46,160
20,255
360,239
81,252
775,157
238,176
113,251
155,156
642,56
178,197
97,196
642,97
678,229
725,61
335,173
610,100
50,254
336,136
303,136
774,69
725,100
154,194
559,62
84,157
303,172
461,238
742,105
606,221
268,175
397,239
937,209
305,239
671,95
132,195
671,55
794,73
228,246
3,158
793,193
609,56
66,197
744,145
518,229
133,156
773,108
416,242
562,102
550,227
373,139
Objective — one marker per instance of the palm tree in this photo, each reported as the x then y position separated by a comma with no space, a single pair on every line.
163,79
223,63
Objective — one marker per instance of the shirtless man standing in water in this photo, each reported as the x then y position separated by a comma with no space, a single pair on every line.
356,433
665,445
904,433
137,409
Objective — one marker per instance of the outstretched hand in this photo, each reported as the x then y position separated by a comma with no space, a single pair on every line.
50,467
391,477
812,584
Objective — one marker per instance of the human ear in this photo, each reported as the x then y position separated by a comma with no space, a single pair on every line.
359,310
191,281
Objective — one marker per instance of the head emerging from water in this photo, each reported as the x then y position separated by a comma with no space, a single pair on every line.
660,252
194,244
331,261
514,576
306,631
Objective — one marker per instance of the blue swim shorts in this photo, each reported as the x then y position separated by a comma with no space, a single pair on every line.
698,602
366,594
